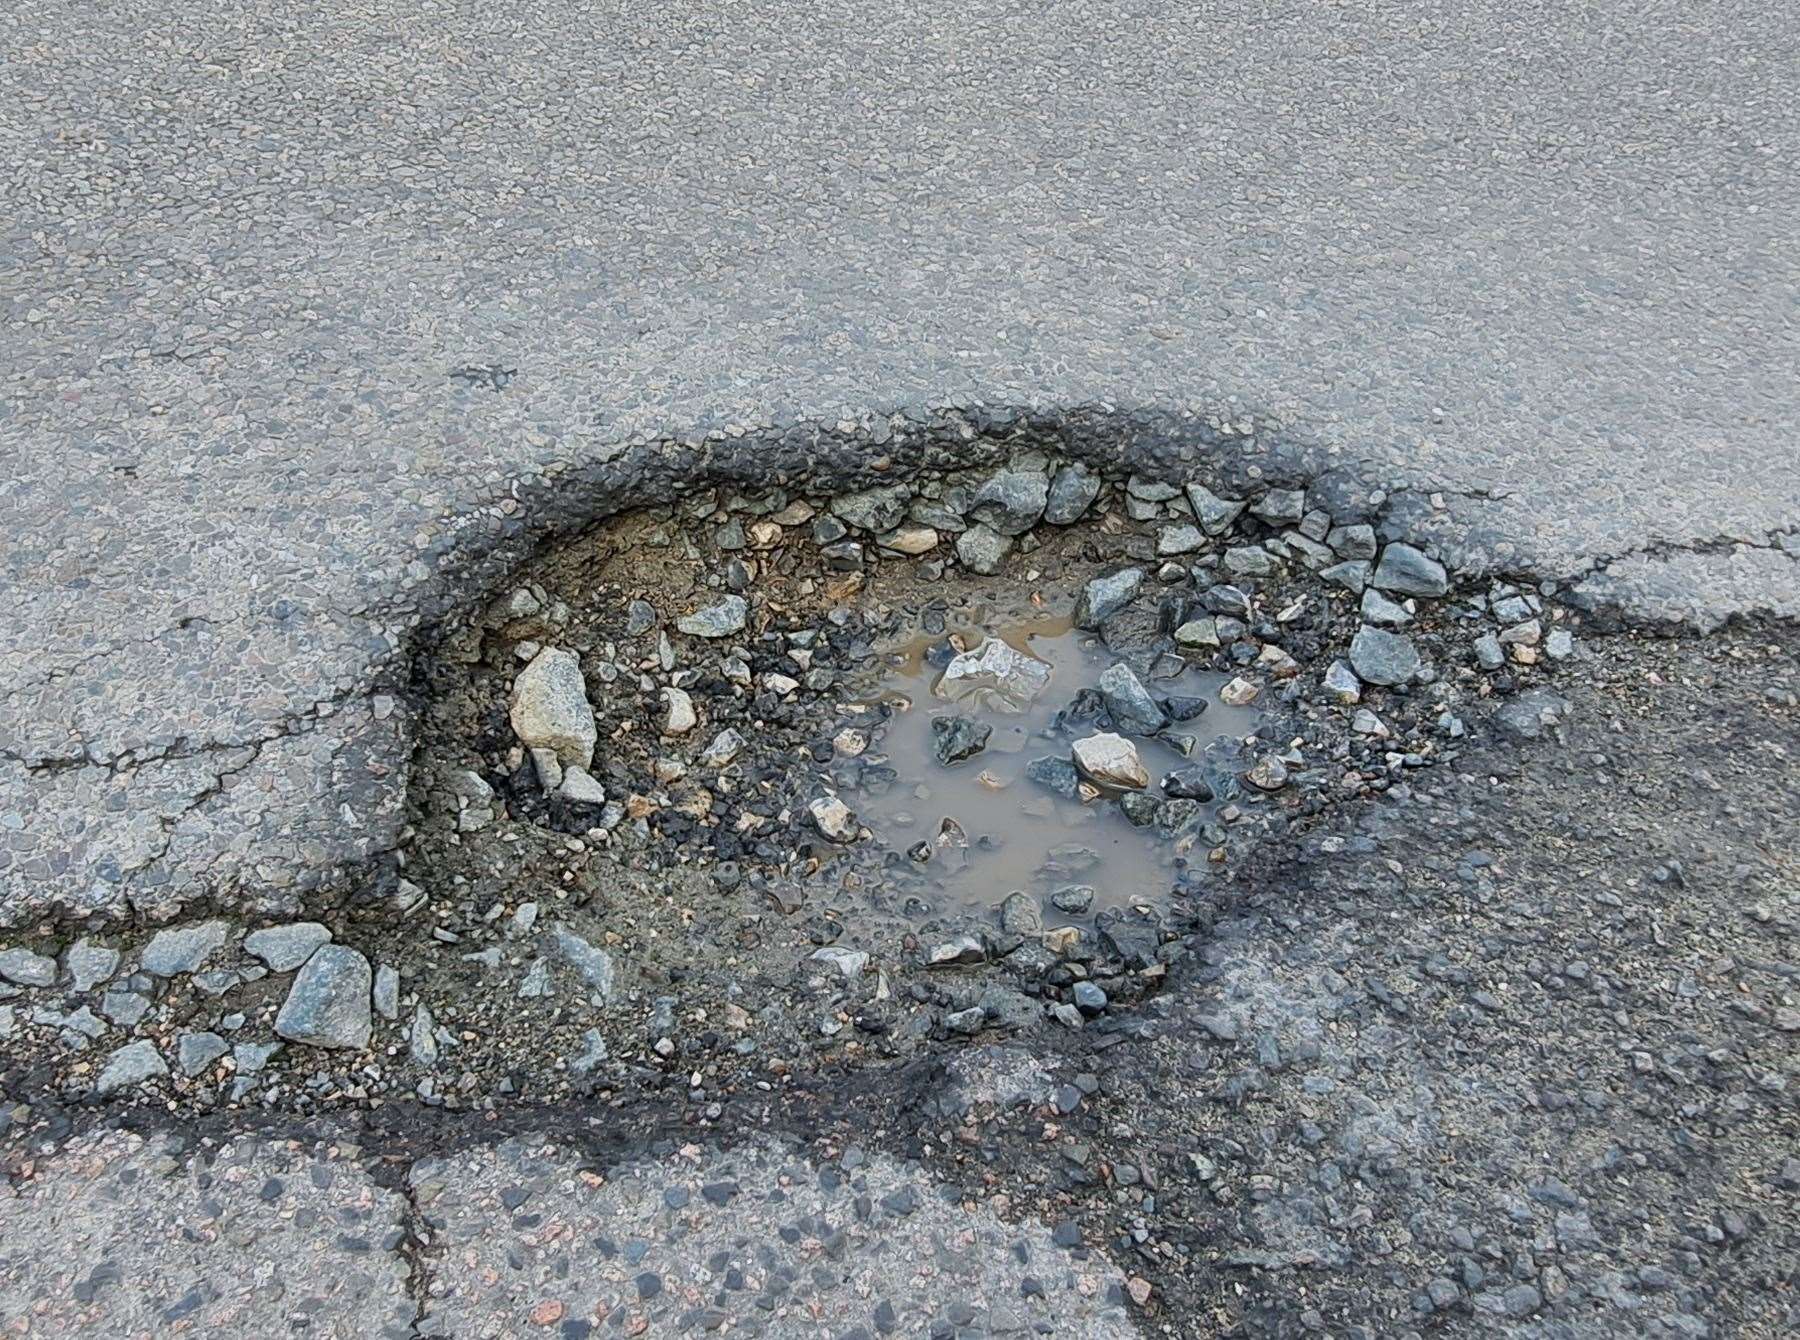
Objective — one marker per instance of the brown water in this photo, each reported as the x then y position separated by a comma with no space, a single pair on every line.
992,829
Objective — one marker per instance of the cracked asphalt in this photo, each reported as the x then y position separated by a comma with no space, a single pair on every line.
309,314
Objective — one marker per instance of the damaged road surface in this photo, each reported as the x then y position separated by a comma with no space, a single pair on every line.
848,671
1035,897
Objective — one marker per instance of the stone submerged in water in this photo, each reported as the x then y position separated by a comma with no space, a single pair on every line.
1380,657
1058,774
1104,597
954,738
729,616
329,1004
1132,708
1111,760
996,674
1188,783
549,708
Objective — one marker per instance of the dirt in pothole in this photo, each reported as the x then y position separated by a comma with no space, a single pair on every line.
849,795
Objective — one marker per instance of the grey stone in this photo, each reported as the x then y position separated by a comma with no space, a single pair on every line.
1105,596
25,968
1353,574
1248,560
124,1008
284,948
184,948
1404,569
1532,714
640,617
387,991
131,1065
1012,501
1489,654
421,1038
966,1022
1058,774
723,750
1352,541
1559,645
1342,684
90,964
982,549
1132,708
1202,632
1173,540
594,966
1281,507
1073,490
680,716
1089,998
1151,490
1215,514
1381,657
877,509
593,1053
725,618
535,985
329,1004
247,1058
194,1052
1378,609
549,708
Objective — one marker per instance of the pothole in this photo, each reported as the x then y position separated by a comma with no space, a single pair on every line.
762,781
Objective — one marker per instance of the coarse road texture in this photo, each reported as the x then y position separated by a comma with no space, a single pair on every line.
1534,257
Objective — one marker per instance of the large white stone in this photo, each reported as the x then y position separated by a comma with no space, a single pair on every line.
550,710
995,674
1111,760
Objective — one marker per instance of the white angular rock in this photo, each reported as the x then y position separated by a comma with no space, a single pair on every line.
550,710
833,819
996,674
682,717
578,785
1111,760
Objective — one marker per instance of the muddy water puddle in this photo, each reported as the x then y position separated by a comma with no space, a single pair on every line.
956,779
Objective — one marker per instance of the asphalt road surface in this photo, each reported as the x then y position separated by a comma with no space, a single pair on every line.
306,310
